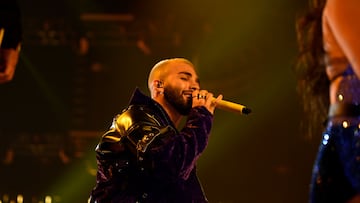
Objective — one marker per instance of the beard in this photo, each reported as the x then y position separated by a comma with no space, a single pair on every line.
176,99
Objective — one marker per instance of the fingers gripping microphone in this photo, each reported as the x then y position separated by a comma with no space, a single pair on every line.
232,107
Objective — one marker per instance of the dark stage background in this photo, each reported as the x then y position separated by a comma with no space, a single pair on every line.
81,60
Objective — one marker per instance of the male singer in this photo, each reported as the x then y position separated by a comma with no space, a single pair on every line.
10,39
144,157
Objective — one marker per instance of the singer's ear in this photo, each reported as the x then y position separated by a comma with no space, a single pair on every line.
157,88
158,83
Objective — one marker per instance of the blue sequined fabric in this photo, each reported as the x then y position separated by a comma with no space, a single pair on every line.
336,172
349,88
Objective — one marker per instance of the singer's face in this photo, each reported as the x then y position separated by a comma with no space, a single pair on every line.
181,81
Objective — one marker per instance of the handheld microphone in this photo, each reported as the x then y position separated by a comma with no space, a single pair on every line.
232,107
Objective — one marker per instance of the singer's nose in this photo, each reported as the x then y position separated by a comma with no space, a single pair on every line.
194,88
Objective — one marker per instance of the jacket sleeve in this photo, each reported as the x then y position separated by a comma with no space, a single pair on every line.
130,134
119,151
161,147
179,152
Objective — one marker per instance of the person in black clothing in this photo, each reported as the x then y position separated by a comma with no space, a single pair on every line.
144,157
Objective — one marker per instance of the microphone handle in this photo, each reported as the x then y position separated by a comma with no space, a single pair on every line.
232,107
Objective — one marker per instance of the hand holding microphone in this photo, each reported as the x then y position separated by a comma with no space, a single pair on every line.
223,104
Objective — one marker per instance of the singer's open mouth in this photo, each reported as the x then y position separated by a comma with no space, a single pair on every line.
188,93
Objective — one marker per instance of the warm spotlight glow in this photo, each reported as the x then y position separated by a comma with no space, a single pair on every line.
20,198
6,198
48,199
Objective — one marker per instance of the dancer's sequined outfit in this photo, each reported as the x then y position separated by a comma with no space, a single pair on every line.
336,173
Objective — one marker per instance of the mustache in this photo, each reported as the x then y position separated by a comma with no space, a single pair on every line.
187,92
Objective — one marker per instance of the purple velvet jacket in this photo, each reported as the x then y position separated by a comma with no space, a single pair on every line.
144,158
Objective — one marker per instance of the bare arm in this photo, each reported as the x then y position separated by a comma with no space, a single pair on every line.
343,17
8,62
